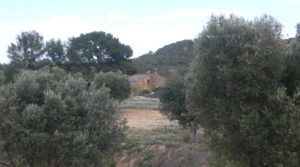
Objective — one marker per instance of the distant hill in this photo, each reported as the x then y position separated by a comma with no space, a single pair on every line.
173,57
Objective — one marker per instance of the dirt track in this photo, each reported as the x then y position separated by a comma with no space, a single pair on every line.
145,119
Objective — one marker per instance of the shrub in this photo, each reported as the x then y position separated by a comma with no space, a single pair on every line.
47,120
173,103
2,78
117,83
10,72
172,98
185,136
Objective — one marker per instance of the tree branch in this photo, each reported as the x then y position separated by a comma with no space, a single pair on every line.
4,163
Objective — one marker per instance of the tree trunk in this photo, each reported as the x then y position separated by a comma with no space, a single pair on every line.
5,164
193,128
10,159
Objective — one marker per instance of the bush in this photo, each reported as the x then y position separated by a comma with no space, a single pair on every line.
146,91
236,96
185,136
117,83
173,103
47,120
127,67
10,72
2,78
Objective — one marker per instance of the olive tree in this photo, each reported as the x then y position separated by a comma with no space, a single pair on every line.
2,78
173,103
236,95
50,120
118,84
291,78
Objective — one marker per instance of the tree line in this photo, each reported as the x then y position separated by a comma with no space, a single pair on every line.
59,101
173,57
88,53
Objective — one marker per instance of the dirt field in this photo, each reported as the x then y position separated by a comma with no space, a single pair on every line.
151,141
145,119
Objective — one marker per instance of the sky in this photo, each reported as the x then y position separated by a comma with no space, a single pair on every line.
145,25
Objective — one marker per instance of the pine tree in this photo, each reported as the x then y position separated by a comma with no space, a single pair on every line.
28,49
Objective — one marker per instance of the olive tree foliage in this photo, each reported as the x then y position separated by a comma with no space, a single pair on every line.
172,98
2,78
118,84
9,72
291,78
49,119
173,102
27,50
234,92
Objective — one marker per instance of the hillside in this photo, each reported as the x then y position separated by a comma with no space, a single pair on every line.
173,57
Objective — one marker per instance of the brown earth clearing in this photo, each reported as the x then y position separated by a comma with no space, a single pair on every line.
145,119
154,141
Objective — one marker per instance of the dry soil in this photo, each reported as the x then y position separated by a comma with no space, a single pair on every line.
145,119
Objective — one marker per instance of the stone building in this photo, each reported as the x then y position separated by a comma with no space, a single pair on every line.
148,81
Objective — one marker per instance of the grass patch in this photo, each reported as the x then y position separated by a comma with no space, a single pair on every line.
171,145
129,144
148,157
169,136
138,102
147,148
132,146
144,165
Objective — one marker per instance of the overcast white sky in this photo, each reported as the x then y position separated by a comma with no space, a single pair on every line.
144,25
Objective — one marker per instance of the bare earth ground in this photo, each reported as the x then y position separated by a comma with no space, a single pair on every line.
145,119
154,141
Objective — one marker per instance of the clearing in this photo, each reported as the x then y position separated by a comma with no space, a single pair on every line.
152,140
145,119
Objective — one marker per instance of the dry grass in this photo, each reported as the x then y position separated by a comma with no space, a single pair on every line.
145,119
161,147
140,102
152,140
169,136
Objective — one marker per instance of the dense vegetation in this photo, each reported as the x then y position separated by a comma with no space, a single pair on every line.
117,83
88,53
173,102
173,57
236,94
243,89
58,100
2,78
52,111
50,118
291,78
98,51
